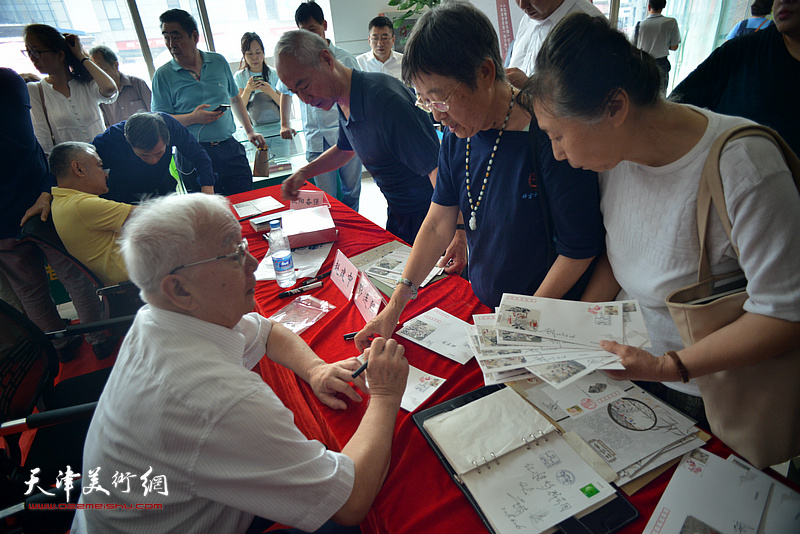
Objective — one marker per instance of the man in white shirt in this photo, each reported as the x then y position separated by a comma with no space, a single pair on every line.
657,35
185,437
382,57
543,15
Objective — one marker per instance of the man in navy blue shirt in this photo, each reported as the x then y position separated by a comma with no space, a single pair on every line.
378,122
138,153
755,76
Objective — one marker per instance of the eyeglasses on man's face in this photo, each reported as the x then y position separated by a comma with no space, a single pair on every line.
240,255
441,107
380,38
34,54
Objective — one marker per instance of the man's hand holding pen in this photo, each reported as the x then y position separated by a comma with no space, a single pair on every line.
387,368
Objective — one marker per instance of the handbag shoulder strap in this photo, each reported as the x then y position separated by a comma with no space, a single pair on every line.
711,190
44,109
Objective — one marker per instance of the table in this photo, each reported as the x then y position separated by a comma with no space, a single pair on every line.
418,495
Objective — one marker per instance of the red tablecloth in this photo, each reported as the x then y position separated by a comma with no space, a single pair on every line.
418,496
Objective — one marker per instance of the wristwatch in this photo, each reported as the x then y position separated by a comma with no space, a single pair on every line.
461,227
410,284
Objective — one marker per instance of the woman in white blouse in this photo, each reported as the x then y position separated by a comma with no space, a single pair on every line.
65,104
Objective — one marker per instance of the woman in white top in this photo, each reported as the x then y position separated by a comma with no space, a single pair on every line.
597,98
65,104
256,83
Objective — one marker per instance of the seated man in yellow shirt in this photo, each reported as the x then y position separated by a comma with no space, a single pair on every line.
87,224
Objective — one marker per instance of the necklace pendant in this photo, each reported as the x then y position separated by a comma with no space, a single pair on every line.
473,223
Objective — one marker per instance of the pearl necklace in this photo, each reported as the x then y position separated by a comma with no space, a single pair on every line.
473,222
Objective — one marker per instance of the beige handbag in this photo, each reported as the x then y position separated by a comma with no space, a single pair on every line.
754,409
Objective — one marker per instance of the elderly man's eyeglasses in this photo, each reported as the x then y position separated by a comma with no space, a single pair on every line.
34,54
240,255
380,38
441,107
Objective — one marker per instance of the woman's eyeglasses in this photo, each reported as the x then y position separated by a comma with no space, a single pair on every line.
441,107
34,54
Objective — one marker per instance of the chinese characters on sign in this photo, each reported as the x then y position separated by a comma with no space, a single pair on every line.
308,199
154,484
344,274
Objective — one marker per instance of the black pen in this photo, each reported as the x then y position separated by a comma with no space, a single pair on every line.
299,290
351,335
360,369
315,279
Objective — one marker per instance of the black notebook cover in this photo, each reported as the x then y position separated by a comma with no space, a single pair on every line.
606,519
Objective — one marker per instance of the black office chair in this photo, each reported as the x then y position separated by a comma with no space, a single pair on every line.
28,367
118,300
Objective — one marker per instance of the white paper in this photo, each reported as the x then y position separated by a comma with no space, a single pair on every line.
782,512
634,329
523,474
629,428
419,387
251,208
493,339
389,268
706,492
575,322
492,425
440,332
307,262
503,377
562,373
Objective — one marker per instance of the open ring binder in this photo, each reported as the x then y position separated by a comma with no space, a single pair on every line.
471,432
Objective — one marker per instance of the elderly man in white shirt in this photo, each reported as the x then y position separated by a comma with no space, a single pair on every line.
382,56
183,417
542,16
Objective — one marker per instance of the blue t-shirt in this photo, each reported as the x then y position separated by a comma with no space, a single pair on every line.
175,91
130,178
508,251
394,139
747,26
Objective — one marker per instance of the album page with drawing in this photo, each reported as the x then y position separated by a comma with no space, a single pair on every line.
524,475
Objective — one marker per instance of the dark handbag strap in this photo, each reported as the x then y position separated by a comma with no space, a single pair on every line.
711,190
44,109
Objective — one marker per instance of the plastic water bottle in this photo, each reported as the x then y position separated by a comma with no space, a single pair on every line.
281,255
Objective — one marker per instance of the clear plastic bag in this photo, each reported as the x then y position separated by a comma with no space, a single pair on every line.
301,313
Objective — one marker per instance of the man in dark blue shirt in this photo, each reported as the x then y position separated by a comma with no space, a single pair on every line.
755,76
378,122
138,153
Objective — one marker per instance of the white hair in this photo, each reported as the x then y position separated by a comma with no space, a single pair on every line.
166,232
302,45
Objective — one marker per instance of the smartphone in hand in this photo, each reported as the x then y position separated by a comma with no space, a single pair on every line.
223,107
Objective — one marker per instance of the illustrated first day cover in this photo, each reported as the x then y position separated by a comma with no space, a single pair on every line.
585,323
440,332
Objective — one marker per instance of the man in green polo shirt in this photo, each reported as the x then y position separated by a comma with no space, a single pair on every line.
191,88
